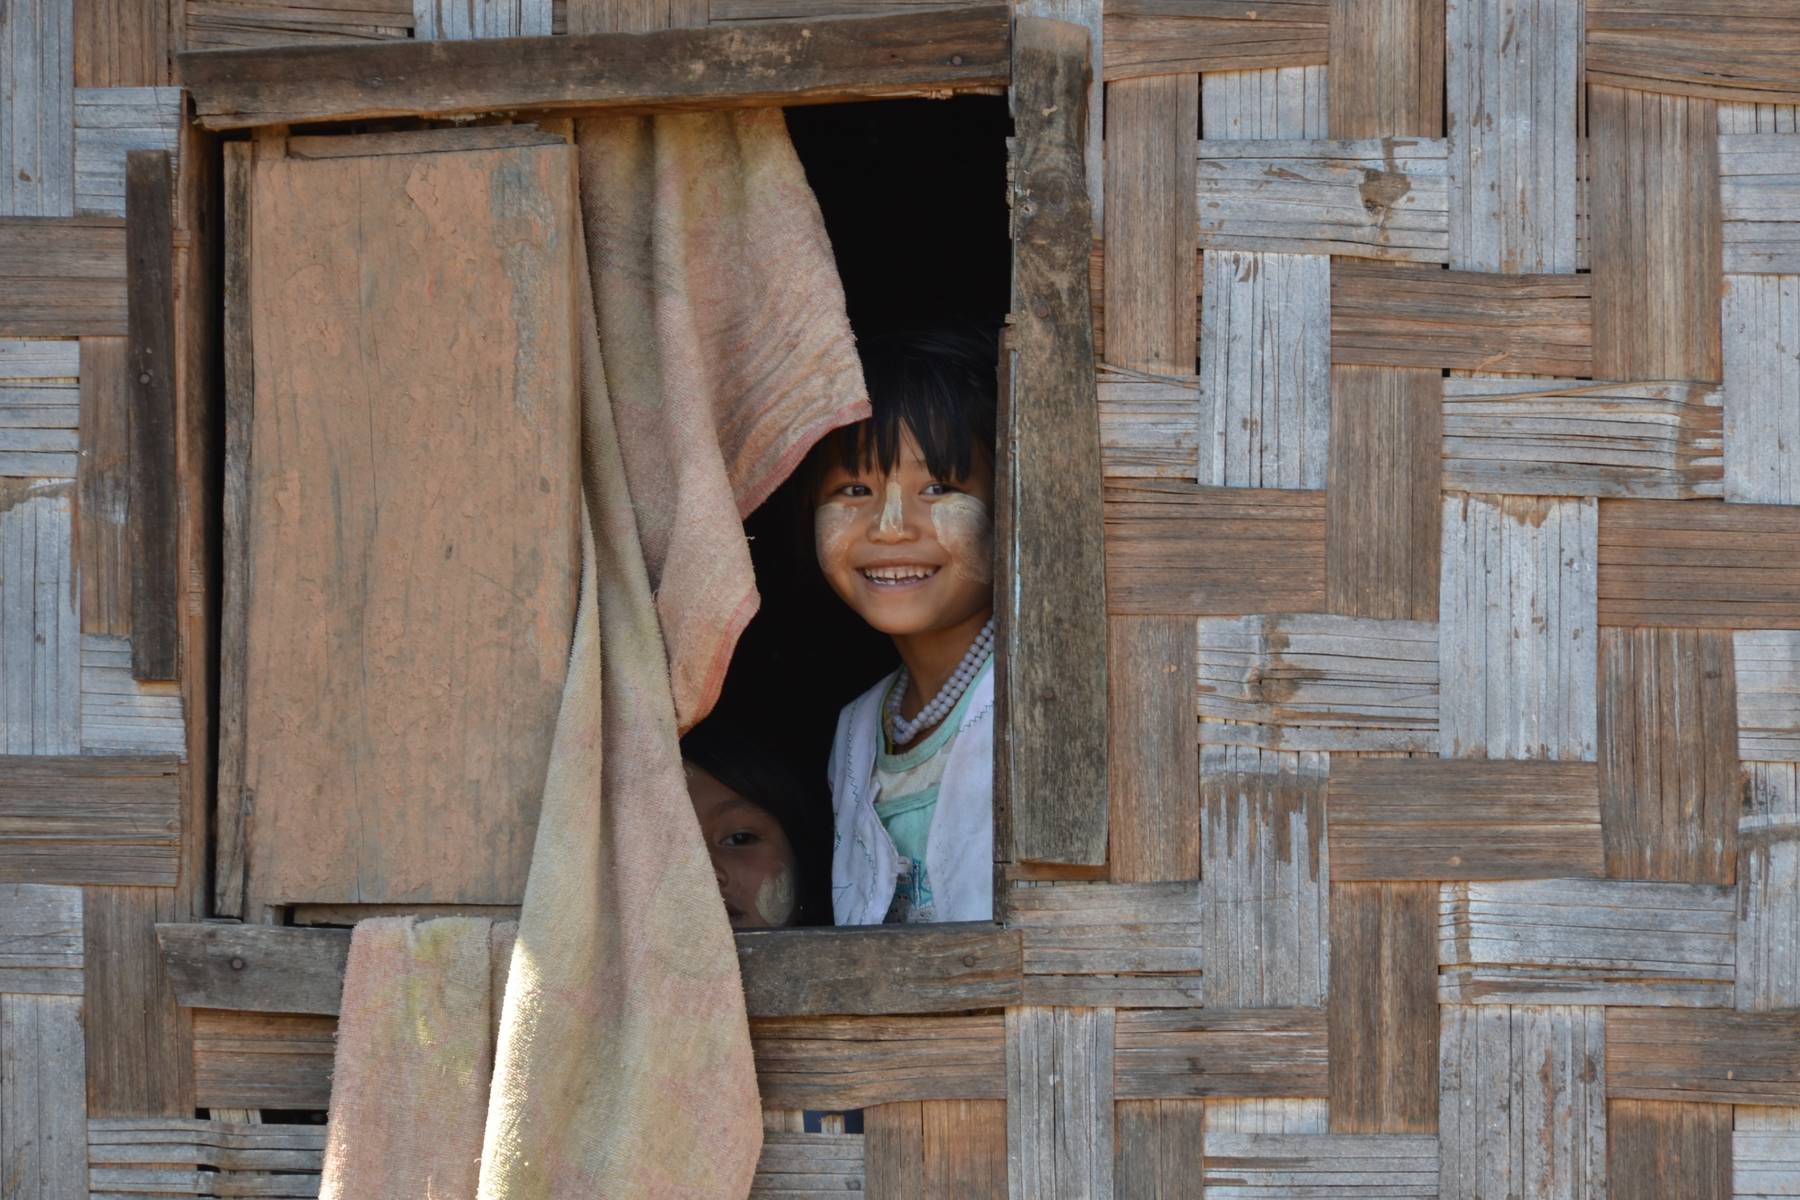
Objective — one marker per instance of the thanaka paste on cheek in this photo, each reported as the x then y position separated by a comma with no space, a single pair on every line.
893,512
775,898
833,525
965,528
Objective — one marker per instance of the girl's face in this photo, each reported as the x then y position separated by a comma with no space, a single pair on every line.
751,857
908,551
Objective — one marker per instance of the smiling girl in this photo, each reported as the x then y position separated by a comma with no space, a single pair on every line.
904,532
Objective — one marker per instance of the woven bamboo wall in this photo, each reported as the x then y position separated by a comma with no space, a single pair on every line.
1450,407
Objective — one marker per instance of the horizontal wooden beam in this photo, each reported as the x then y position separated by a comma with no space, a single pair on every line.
777,63
1189,549
92,819
1709,1056
62,276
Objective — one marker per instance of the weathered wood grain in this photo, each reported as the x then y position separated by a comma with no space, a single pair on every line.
147,1156
1149,425
140,1063
964,1150
1183,548
1395,315
110,123
893,1150
1431,819
1052,657
1154,757
1705,564
1374,198
1265,878
1088,15
262,1060
62,278
121,714
1586,941
1761,318
1305,682
950,968
1513,95
89,820
854,1062
1268,1115
1570,437
1125,945
125,43
1759,188
43,1113
1264,1166
40,627
780,63
1387,68
1547,1069
1516,623
1151,305
1059,1103
1766,663
1669,783
40,940
795,1165
457,20
103,489
1157,37
1173,1054
1382,524
150,377
1276,102
1768,912
1653,169
255,968
1749,117
37,88
1741,50
39,407
1764,1163
244,24
1157,1147
1708,1056
1657,1148
1382,1009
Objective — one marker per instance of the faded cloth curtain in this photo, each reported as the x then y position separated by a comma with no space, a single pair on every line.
715,353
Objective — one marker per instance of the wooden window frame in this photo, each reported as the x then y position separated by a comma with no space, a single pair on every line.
1050,796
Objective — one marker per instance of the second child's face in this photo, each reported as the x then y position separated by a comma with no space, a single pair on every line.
910,552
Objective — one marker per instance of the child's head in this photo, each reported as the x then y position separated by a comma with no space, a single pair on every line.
751,813
903,502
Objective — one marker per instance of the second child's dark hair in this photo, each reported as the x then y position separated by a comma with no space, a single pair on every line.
940,385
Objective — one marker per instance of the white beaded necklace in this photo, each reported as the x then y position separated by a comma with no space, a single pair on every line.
902,731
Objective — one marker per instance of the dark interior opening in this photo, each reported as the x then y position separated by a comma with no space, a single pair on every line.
913,194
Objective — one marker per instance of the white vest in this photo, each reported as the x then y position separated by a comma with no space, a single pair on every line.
959,851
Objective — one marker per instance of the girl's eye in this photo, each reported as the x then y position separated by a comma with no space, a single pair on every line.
857,490
742,837
940,488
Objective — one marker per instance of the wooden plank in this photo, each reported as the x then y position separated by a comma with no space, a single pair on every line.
1761,317
62,278
943,968
894,1149
1125,945
142,1062
1242,1052
1768,928
255,968
1151,309
1586,941
1279,103
384,443
1154,755
147,1157
855,1062
39,408
1184,548
750,66
1265,878
1708,1056
1653,168
1759,187
119,713
1157,1148
43,1115
125,43
1306,682
1513,96
458,20
40,940
1052,659
1059,1103
89,820
242,24
1149,425
1382,1009
110,123
1764,1163
37,88
1546,1068
1164,38
1464,819
49,360
1396,315
964,1150
40,627
1268,1115
1661,1148
1517,626
1382,524
1705,564
795,1165
1374,198
1741,50
1669,782
262,1060
1387,68
1263,1166
103,489
150,375
1766,663
1087,14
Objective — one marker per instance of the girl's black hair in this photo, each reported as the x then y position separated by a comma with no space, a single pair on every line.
941,385
754,771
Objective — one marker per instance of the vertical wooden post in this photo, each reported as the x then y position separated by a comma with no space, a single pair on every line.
150,374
